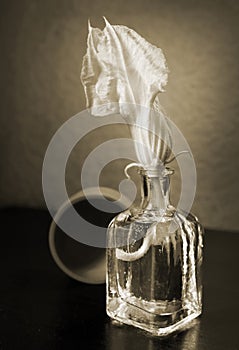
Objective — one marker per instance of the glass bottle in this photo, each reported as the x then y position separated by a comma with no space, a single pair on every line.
154,259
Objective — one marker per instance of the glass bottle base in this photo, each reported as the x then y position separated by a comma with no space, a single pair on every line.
158,324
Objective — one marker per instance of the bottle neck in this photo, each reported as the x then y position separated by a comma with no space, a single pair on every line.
155,191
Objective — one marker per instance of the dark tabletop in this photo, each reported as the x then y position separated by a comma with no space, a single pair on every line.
41,308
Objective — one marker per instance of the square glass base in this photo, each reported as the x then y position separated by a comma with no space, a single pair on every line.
154,322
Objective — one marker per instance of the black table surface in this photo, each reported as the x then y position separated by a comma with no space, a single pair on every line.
42,308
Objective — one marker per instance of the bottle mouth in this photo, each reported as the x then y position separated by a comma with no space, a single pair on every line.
159,171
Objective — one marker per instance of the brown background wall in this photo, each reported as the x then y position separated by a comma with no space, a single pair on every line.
42,45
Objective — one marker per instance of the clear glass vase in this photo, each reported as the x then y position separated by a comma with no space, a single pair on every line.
154,262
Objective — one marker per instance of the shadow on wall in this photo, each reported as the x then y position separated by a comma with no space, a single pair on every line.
42,45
